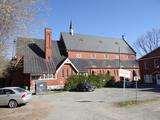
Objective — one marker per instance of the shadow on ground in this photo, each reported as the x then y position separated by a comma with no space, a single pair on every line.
156,89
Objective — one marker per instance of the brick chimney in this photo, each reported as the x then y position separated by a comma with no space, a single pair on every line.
48,44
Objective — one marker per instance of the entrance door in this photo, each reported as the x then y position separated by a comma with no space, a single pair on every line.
158,79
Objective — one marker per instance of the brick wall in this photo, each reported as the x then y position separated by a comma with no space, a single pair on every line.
66,69
88,55
18,78
112,71
149,69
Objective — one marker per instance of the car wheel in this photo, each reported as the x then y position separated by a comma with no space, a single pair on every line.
12,104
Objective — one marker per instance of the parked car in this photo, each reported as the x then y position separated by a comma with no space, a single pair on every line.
128,84
14,96
85,87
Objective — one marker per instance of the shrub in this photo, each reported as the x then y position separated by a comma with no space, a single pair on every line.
95,80
73,81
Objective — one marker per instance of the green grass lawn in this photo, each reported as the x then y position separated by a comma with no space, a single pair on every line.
134,102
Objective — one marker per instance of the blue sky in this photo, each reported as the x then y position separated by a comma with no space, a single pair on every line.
110,18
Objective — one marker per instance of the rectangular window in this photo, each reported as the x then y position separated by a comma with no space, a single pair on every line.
46,77
157,63
148,78
105,56
78,55
35,77
146,65
93,56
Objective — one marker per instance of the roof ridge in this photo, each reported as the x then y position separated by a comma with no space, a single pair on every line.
149,53
98,36
39,39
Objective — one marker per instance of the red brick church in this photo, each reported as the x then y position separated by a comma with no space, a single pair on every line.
53,61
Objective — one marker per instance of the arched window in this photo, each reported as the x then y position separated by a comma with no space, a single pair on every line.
108,72
67,72
100,72
103,72
62,73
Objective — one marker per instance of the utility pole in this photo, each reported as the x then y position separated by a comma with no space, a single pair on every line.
14,47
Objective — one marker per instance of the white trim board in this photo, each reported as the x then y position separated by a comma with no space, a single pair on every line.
66,61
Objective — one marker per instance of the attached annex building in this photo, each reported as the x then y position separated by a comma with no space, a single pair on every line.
53,61
150,67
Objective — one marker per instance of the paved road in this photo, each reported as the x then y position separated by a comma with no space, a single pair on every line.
98,105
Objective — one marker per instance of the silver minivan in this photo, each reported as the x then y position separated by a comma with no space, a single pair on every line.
13,96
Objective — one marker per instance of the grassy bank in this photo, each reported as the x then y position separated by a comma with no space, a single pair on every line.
134,102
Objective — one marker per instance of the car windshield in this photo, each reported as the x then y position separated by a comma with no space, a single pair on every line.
20,90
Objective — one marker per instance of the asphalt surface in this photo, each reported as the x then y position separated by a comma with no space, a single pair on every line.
97,105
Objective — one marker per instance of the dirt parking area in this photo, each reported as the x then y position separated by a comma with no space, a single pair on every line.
97,105
35,110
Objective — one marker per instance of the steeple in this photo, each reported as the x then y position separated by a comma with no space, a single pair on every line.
71,32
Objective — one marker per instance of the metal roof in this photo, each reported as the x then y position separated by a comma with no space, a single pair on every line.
80,42
32,51
153,54
83,64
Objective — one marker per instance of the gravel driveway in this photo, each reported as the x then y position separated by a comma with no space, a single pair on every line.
97,105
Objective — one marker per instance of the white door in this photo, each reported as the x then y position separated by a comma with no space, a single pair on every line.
158,79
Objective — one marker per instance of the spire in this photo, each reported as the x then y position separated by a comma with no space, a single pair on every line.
123,37
71,32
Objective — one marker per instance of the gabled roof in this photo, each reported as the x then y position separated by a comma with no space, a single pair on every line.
32,51
83,64
78,42
152,54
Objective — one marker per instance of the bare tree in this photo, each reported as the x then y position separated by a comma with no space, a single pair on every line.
15,17
148,42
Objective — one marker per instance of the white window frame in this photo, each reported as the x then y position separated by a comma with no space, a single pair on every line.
47,76
78,55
